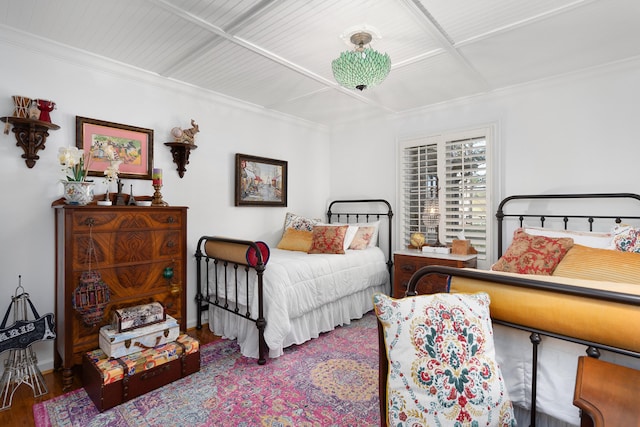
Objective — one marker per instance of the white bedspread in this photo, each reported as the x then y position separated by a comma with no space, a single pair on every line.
305,295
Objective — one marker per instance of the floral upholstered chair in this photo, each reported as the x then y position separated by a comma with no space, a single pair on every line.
437,362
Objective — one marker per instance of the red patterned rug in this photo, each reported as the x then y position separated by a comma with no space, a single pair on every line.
328,381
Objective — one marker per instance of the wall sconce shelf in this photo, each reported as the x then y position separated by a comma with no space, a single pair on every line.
180,152
31,135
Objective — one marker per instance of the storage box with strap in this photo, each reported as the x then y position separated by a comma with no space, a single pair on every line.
112,381
119,344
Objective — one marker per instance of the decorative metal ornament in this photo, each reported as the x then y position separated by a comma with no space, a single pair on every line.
92,295
21,364
362,67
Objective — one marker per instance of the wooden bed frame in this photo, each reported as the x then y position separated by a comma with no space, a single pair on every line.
366,210
593,348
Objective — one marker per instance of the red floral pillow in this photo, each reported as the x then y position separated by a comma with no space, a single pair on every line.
328,239
533,254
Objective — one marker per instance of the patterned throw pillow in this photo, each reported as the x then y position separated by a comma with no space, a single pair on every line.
298,222
362,238
529,254
442,368
626,238
328,239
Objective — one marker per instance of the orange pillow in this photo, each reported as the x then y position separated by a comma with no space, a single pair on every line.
296,240
529,254
582,262
328,239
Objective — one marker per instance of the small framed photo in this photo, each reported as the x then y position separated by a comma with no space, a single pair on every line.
133,145
260,181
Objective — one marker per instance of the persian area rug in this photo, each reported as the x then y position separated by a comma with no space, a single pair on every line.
329,381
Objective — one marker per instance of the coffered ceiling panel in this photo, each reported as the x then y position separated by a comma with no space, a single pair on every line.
277,53
559,44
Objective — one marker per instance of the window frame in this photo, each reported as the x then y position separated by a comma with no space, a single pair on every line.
489,133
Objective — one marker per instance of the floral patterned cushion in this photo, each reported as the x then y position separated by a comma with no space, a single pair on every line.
298,222
328,239
529,254
626,238
442,368
362,238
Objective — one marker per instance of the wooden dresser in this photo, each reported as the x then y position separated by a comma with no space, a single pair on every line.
409,261
133,247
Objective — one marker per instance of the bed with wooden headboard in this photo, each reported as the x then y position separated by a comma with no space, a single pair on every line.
588,302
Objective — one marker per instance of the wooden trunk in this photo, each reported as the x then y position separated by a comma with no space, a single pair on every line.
145,371
133,248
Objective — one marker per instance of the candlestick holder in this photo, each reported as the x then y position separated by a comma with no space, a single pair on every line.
157,196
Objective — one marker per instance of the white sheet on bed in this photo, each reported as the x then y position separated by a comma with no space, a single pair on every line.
557,367
304,296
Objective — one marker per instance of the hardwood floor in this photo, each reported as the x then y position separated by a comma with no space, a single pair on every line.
21,411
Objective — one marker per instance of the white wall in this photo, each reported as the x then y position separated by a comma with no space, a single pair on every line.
89,87
576,134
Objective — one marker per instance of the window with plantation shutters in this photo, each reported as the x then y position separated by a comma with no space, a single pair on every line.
454,169
464,191
419,166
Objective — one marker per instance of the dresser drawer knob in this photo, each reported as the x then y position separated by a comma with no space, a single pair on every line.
171,220
90,222
408,267
171,244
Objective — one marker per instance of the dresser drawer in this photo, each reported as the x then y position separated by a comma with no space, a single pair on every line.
111,218
125,247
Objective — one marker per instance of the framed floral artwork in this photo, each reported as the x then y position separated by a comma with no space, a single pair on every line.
260,181
132,145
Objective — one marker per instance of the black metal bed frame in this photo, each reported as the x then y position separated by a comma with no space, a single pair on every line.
205,296
593,348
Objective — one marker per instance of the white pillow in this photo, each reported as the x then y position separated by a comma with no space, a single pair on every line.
584,238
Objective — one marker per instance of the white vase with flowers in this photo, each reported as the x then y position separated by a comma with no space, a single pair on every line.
75,163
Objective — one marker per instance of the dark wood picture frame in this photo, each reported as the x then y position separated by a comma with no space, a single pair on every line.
134,146
260,181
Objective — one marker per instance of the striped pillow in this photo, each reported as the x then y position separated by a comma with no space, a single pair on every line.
583,262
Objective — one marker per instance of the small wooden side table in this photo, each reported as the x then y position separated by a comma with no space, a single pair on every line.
608,395
409,261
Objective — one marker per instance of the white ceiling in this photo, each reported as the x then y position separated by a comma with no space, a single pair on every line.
277,53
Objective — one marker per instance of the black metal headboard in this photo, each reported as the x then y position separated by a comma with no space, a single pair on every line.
542,217
373,210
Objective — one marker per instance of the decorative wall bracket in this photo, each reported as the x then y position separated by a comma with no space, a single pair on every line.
31,135
180,152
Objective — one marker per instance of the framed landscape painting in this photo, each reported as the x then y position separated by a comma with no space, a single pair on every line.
133,146
260,181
